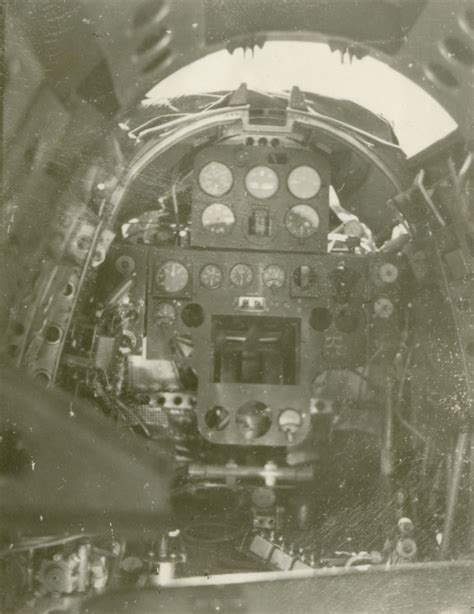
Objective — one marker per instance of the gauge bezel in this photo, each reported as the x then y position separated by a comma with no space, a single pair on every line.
219,194
314,228
228,228
266,281
265,166
248,267
292,191
163,317
217,267
161,288
392,276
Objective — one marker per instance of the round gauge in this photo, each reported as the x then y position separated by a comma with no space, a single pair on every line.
211,276
164,313
388,272
261,182
304,182
241,275
302,221
125,264
172,277
273,276
215,178
383,307
218,219
304,277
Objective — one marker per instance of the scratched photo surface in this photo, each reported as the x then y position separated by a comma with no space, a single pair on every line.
236,306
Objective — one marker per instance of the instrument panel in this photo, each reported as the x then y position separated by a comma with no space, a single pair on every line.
257,196
257,328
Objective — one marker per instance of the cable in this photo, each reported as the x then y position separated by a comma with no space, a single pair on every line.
46,542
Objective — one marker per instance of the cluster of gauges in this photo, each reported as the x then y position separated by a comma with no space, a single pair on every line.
241,275
301,220
172,276
261,182
254,419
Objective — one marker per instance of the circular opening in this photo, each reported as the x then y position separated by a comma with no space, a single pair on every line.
470,348
320,318
43,378
321,405
84,242
69,289
18,328
178,400
193,315
53,334
254,419
262,141
440,75
346,321
125,265
161,400
457,50
99,257
217,418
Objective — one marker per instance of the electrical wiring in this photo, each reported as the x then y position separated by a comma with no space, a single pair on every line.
46,542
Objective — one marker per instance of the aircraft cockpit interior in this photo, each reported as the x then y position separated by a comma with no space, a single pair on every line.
237,324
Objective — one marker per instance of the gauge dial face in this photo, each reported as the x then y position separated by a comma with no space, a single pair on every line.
215,179
125,264
261,182
302,221
172,277
218,219
304,182
388,272
164,313
211,276
273,276
383,307
304,277
241,275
